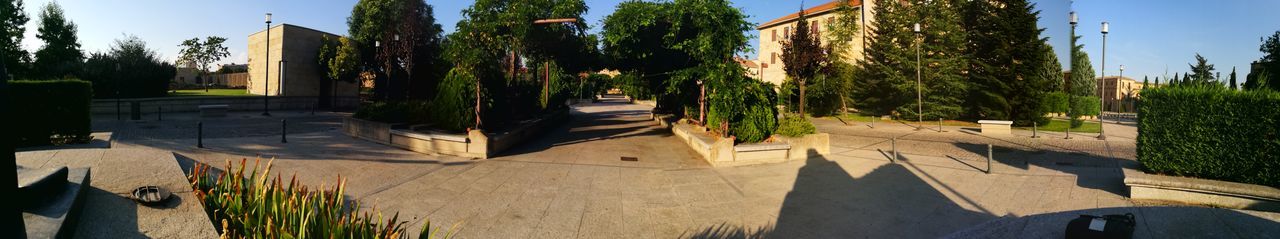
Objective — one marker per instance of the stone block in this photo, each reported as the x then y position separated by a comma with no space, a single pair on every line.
996,127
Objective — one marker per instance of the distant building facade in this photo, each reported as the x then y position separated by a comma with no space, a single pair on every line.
293,70
1121,93
774,32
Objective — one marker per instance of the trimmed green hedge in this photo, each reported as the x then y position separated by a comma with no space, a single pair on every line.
1208,133
48,112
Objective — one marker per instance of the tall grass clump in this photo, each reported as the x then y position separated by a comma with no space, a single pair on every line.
250,204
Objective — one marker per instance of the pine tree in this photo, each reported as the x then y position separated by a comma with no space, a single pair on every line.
13,21
803,57
1051,69
1144,81
943,43
61,55
1174,81
1009,70
1157,81
889,60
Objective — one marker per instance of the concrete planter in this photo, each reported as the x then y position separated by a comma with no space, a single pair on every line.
806,146
474,144
1144,186
377,132
721,152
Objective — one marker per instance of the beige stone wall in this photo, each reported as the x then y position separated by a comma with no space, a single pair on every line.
296,47
772,36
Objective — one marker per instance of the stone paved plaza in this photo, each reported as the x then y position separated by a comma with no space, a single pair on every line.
571,183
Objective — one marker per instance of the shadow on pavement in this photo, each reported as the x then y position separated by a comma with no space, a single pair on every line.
888,202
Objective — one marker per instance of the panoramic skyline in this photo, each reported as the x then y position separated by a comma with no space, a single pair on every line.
1144,41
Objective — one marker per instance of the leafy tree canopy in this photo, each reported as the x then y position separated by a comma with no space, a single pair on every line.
60,56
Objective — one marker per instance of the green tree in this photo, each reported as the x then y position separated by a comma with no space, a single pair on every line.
1009,61
841,35
1051,69
128,70
635,41
1270,61
338,61
1233,78
803,57
944,44
888,65
1201,73
1144,81
13,21
60,56
374,25
202,54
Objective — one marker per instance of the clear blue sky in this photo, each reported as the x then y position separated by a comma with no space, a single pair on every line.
1148,35
1145,35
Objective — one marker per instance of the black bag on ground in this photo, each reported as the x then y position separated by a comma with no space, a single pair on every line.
1107,226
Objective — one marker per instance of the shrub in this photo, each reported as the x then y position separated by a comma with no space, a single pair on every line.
253,205
1055,102
746,105
413,112
50,109
454,106
1207,133
1086,105
795,126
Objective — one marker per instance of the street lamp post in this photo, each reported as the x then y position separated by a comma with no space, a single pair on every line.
1120,101
1071,95
919,95
1102,101
266,72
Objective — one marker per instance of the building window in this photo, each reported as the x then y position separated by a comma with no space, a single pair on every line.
813,28
775,34
786,32
773,59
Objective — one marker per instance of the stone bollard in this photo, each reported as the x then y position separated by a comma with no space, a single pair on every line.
894,145
284,131
989,158
199,134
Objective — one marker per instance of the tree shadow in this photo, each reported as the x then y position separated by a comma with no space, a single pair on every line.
607,125
1084,166
888,202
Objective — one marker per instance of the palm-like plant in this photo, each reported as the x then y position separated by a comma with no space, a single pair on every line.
255,206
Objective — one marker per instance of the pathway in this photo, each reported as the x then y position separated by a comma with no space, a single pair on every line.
572,183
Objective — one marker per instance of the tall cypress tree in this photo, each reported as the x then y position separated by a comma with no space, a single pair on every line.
1083,81
13,21
61,55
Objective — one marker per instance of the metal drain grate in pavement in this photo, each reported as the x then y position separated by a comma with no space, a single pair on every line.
630,159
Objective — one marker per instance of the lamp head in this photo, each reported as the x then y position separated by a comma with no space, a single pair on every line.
1074,18
268,18
1106,27
916,28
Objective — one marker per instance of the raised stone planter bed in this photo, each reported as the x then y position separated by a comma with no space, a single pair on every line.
721,152
1144,186
474,144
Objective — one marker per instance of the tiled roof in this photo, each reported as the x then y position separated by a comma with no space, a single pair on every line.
811,11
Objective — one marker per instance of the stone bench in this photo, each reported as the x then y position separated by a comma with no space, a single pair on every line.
213,110
996,126
1144,186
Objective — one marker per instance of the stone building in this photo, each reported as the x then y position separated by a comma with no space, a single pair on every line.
774,32
1121,93
292,61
